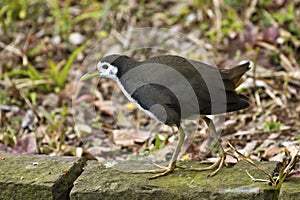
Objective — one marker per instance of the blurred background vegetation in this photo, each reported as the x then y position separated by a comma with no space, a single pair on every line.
44,42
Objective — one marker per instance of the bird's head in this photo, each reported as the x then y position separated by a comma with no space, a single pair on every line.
105,68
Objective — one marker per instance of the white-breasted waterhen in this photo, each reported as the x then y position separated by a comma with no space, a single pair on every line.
170,88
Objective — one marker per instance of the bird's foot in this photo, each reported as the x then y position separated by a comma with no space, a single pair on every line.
217,165
163,171
163,167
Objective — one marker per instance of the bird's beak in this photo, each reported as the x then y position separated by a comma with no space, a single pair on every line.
89,75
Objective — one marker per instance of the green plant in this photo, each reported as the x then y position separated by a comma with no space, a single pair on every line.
231,23
236,4
12,10
159,142
287,16
33,97
8,137
61,17
64,22
297,136
272,126
59,73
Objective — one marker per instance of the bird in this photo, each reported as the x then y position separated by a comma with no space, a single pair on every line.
170,88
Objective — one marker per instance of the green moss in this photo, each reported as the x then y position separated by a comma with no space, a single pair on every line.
230,183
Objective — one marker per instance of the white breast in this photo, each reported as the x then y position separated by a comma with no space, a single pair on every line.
128,96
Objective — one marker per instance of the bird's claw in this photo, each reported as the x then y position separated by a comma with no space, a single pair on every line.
159,172
217,166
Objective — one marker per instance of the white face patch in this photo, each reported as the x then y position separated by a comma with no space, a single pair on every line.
107,70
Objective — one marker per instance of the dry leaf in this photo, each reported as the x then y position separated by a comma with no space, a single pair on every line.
271,151
128,137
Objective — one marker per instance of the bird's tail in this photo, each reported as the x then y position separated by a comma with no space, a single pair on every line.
235,74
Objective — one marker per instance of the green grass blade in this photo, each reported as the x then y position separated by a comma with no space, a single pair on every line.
65,71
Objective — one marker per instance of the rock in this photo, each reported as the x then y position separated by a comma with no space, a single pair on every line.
76,38
229,183
37,176
290,189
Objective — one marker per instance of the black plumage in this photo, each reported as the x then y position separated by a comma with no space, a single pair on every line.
181,87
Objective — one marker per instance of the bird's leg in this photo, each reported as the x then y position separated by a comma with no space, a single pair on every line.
222,154
172,164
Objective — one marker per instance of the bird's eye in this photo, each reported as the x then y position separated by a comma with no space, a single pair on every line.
104,66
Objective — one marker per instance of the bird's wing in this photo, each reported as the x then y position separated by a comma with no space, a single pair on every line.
198,87
205,79
160,101
153,73
215,89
